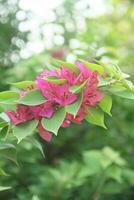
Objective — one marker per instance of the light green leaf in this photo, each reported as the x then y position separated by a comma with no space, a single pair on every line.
53,124
93,67
114,172
77,88
2,172
4,188
24,130
4,117
74,107
67,65
113,156
92,161
32,98
8,151
124,94
35,197
35,142
54,79
8,97
24,84
106,104
96,116
105,82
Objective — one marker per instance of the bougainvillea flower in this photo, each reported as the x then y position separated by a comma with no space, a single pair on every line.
26,113
21,115
70,118
44,110
85,73
69,75
58,93
91,97
91,93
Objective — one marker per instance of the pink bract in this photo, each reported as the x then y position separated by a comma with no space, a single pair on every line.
60,94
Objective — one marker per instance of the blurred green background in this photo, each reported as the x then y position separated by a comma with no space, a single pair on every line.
84,162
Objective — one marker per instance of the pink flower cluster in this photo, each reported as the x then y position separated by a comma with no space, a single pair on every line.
58,95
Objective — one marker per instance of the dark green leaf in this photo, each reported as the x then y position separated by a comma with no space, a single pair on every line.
3,131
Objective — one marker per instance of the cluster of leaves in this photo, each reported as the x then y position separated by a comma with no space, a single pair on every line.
105,171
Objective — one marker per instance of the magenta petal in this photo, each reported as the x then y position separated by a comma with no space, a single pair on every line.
44,133
12,116
48,109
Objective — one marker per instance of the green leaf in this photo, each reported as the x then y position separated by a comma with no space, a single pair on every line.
113,188
124,94
8,97
35,197
9,106
54,79
71,66
114,172
128,174
2,124
32,98
93,67
77,88
36,144
4,188
110,70
96,116
1,108
53,124
106,104
24,84
74,107
113,156
92,160
3,131
105,82
2,172
8,151
4,117
24,130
